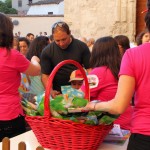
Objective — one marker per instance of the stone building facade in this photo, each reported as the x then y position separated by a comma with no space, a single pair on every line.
97,18
91,18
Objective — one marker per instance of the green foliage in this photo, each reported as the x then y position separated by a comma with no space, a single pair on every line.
8,3
6,7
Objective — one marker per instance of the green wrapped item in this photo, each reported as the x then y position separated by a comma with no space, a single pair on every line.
58,105
68,107
40,107
92,118
79,102
108,118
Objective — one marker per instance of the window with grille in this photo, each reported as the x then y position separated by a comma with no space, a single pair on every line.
19,3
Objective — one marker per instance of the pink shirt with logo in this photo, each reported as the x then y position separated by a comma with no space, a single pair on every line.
105,89
136,63
11,65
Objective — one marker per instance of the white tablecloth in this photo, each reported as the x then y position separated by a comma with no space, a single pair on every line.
32,143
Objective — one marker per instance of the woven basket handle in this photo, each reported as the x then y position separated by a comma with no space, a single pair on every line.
51,77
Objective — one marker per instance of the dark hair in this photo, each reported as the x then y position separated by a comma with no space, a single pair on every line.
29,34
37,46
21,39
51,37
123,41
147,16
105,52
6,32
60,26
140,36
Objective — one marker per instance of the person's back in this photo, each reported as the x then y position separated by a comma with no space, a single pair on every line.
103,77
139,60
10,81
103,84
12,63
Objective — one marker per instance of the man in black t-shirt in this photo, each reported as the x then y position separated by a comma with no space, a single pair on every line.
63,48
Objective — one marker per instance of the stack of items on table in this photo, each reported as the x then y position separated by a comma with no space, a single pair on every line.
117,135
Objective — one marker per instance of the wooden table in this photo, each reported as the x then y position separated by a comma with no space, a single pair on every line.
32,143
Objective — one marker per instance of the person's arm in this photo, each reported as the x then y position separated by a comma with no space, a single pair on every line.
122,99
45,77
34,68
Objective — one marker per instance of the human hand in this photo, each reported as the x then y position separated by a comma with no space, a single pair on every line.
54,93
35,58
91,105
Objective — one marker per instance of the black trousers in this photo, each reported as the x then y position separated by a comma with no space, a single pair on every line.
12,127
139,142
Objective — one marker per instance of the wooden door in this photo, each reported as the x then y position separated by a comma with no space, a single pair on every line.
140,24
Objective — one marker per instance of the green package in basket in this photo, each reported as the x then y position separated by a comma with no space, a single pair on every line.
70,108
61,103
40,107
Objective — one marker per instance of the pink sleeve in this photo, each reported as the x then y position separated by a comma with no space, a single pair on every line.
22,63
127,67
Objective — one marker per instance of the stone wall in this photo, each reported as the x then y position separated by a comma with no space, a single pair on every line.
97,18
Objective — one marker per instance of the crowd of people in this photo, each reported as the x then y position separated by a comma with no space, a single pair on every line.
121,75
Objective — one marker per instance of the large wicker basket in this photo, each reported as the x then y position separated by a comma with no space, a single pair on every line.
58,134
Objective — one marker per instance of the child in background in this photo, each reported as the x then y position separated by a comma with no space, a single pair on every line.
76,79
73,90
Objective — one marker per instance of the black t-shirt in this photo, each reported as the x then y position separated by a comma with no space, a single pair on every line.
53,54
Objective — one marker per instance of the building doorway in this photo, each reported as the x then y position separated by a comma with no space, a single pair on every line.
140,24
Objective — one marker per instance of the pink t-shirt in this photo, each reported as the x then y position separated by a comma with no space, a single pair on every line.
11,65
104,88
136,63
105,85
